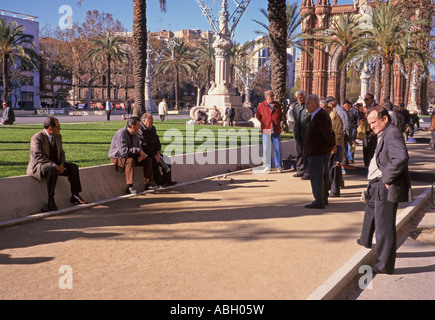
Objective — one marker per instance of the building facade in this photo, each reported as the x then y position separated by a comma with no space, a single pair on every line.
25,85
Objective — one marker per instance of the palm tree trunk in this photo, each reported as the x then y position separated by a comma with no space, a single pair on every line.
378,81
278,51
5,72
140,50
386,81
343,85
408,86
108,76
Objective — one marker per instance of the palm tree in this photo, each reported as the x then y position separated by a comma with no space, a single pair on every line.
16,48
108,48
140,38
390,35
278,50
344,34
179,60
206,58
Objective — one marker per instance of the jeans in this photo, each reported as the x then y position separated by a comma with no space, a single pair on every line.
275,141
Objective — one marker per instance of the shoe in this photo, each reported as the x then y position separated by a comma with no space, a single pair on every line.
359,242
266,169
52,205
298,175
305,178
314,206
149,187
77,199
279,169
130,190
334,195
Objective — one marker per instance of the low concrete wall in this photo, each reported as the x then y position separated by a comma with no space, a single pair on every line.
23,196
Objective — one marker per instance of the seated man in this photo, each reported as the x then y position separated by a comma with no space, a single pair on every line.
201,117
215,116
151,145
8,117
125,152
47,160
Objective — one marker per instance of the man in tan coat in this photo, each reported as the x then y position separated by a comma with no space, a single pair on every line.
47,160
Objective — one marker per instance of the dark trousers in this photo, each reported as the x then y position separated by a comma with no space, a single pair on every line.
319,177
130,163
380,215
108,113
301,159
335,173
72,172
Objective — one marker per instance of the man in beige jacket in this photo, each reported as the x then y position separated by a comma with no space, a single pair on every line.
47,160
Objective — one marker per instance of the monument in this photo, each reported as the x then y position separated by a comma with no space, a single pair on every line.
221,92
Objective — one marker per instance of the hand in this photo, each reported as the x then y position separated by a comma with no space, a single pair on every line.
157,157
142,156
387,186
60,169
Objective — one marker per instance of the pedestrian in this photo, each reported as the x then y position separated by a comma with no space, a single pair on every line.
406,118
349,149
215,116
414,120
370,140
150,144
47,160
290,117
126,152
269,113
163,109
319,142
8,117
302,122
335,158
108,109
389,184
230,113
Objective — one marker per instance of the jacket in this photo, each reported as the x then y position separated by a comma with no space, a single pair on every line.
270,118
149,139
40,152
302,121
124,145
320,138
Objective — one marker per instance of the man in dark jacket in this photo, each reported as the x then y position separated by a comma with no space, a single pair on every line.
302,122
230,113
319,141
150,144
389,184
8,115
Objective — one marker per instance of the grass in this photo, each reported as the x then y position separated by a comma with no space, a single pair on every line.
87,144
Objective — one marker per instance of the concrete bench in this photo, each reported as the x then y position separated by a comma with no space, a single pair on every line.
24,195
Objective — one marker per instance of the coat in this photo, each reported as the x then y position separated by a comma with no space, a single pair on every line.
320,138
40,152
124,145
270,119
302,121
163,108
392,159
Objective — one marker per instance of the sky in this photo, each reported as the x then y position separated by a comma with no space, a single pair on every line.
180,14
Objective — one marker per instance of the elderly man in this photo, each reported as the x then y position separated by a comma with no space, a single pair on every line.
269,113
47,160
389,184
126,152
319,142
8,117
301,123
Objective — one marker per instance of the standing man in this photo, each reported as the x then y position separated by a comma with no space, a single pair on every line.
389,184
8,117
47,160
230,114
108,109
163,109
301,123
269,113
319,142
370,140
349,148
125,152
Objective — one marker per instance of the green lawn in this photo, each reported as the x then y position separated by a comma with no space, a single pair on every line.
87,144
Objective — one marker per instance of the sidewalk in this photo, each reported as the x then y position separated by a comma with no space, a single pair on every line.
242,236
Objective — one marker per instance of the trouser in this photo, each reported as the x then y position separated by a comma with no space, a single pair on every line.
319,177
335,172
108,112
272,140
380,215
301,158
130,163
160,177
72,172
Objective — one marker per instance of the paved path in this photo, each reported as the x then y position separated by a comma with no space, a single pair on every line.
245,236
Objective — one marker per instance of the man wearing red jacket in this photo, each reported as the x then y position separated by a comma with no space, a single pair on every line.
269,113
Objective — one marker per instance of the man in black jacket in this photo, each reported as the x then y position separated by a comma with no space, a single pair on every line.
150,144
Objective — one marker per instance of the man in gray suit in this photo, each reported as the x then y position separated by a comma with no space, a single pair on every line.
389,184
47,160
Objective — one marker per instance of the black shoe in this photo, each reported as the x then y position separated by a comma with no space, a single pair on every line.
334,195
305,178
298,175
130,190
52,205
149,187
77,199
314,206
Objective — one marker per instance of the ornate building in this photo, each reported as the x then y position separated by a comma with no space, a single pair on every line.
321,75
